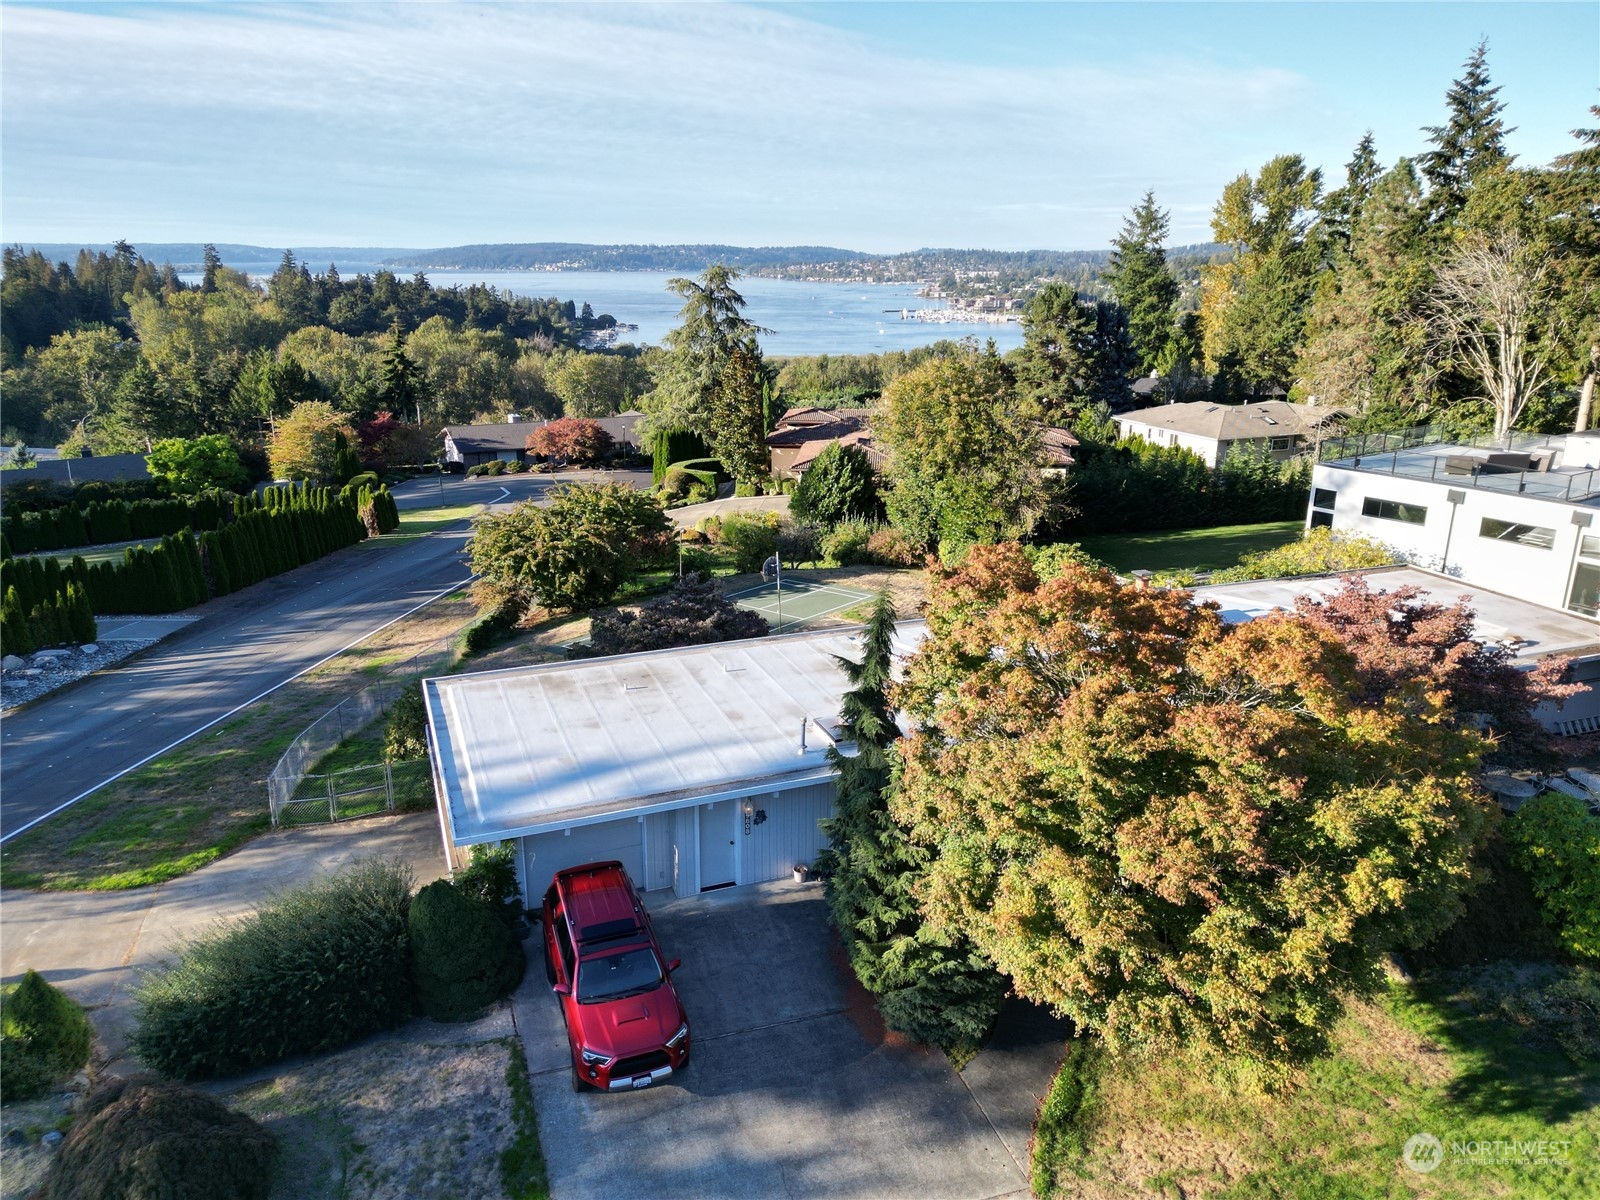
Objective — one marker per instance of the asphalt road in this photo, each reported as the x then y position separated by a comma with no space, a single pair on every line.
66,745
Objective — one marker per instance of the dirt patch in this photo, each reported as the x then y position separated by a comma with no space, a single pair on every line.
23,1158
389,1120
1370,1036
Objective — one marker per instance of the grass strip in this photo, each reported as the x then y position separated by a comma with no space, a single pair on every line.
1189,549
205,798
523,1173
1061,1133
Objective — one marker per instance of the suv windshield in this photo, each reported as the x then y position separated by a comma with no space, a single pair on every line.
614,975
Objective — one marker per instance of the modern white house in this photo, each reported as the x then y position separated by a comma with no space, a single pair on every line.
1212,430
698,768
1517,517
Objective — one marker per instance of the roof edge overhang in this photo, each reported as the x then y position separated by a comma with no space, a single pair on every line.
595,815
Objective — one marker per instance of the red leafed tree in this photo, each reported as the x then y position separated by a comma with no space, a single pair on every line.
1401,635
575,439
373,434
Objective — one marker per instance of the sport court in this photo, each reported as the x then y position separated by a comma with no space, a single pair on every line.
803,601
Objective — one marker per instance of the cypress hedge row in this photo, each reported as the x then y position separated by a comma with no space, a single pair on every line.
103,521
44,602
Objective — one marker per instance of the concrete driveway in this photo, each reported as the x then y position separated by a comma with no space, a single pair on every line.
794,1088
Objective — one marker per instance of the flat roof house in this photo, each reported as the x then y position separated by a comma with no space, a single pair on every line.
1517,516
1212,430
699,768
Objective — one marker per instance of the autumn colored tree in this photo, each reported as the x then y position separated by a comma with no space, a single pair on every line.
1401,636
1169,829
303,445
575,439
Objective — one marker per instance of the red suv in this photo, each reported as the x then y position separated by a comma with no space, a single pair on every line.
624,1020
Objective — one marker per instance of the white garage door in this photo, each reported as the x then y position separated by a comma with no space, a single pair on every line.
544,854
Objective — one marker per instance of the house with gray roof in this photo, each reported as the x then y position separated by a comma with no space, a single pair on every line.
1212,430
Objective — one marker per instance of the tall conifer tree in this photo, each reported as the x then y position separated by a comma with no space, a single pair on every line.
1142,284
934,988
1470,142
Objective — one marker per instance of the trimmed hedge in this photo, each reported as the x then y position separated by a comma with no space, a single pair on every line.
258,536
98,522
142,1139
464,957
44,1037
312,971
674,446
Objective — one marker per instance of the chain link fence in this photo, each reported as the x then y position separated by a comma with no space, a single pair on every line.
357,792
296,796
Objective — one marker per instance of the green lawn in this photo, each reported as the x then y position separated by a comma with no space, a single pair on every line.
1189,549
110,552
1459,1055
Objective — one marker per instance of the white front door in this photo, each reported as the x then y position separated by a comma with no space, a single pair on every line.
717,844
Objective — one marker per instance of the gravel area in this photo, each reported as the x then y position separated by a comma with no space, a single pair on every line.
50,669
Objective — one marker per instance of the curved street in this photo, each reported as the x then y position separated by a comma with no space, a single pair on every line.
70,743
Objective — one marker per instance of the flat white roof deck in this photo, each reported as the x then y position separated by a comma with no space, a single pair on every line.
1542,630
530,749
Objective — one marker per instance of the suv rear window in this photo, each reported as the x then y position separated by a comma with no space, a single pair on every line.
610,976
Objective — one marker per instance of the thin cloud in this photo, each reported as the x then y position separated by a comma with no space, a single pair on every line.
432,124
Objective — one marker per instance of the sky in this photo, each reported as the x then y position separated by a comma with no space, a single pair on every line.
876,127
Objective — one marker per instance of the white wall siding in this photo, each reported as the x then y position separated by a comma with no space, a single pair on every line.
1456,547
546,853
788,836
658,856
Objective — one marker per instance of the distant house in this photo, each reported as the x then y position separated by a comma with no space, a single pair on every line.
803,433
1058,447
1147,390
1212,430
507,440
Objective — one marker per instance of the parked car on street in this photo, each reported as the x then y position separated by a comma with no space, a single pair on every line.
625,1023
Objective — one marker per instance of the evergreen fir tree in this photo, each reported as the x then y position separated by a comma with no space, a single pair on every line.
932,988
1138,277
80,615
1470,142
400,382
1341,208
215,563
15,636
737,422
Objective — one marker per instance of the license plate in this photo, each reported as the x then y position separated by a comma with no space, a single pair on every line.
640,1081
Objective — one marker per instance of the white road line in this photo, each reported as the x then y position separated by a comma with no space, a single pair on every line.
455,587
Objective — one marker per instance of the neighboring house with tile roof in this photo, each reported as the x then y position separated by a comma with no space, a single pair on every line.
1212,430
803,433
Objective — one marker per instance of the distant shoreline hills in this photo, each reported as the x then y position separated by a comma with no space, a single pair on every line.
796,262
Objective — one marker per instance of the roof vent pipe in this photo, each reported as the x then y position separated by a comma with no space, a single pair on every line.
804,721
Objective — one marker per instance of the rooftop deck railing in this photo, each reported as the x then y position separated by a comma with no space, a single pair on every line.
1406,454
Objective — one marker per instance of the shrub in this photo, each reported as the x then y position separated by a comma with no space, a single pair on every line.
314,969
463,956
753,538
846,544
575,439
839,485
888,547
1557,842
1321,551
577,551
406,735
516,468
675,485
1050,561
693,613
799,543
744,489
491,876
492,626
700,493
142,1139
44,1037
